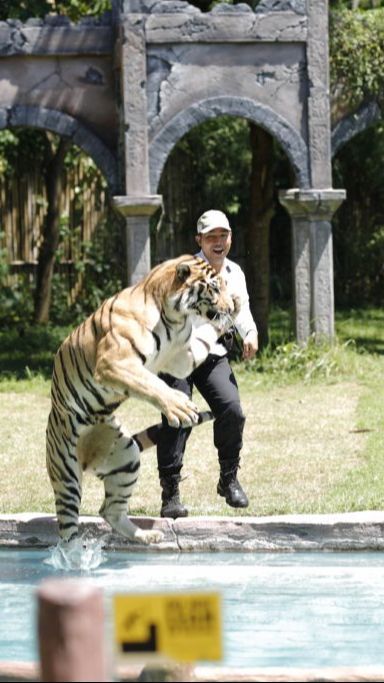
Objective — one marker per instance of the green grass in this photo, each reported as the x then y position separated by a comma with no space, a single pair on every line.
313,441
363,486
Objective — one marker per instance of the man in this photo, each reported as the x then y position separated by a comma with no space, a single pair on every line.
215,381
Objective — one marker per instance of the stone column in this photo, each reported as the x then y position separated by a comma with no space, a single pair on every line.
319,124
137,212
137,205
311,212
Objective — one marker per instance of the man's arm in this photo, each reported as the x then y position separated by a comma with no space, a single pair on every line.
244,320
250,344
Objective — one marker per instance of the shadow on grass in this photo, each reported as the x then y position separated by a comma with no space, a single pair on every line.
365,327
371,345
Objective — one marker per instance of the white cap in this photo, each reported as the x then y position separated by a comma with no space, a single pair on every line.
210,220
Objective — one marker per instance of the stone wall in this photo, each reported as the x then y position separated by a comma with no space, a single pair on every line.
127,87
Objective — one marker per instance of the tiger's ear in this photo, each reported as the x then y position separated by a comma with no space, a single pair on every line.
183,271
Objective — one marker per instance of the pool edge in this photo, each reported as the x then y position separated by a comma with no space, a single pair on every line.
362,530
24,672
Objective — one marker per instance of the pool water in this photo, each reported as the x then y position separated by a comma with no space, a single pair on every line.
279,609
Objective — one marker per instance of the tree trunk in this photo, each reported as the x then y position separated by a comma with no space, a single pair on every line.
51,233
257,234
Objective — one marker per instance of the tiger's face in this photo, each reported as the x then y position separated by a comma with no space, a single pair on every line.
202,291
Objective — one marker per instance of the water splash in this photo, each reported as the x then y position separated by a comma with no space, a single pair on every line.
83,553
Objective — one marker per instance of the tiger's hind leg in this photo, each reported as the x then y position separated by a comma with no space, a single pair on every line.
64,473
119,471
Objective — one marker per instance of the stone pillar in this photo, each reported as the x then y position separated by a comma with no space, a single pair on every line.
137,212
319,123
311,212
137,205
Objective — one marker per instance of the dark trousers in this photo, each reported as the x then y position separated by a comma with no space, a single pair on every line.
217,384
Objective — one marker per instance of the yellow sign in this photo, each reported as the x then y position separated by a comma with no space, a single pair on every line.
181,627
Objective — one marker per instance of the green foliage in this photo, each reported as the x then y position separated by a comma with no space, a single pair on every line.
16,304
307,363
357,75
222,142
102,277
4,269
22,9
15,299
215,149
356,56
100,267
359,222
359,342
22,149
355,4
98,261
8,142
102,271
74,9
352,355
27,351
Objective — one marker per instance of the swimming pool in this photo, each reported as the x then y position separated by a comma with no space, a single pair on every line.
304,609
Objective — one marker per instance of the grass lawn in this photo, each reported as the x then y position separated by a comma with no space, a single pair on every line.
313,441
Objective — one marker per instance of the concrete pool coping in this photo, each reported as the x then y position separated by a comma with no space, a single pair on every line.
287,533
349,531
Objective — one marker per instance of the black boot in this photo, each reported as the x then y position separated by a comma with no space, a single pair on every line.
230,488
170,497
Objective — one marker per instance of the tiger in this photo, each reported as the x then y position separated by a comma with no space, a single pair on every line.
168,322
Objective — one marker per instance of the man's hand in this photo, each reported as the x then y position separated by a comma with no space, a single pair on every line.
250,345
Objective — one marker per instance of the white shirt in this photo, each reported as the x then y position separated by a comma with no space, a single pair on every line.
236,285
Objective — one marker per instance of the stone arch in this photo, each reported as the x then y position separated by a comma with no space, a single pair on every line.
289,139
367,115
63,124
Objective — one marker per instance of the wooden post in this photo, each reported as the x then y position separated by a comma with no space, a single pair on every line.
71,630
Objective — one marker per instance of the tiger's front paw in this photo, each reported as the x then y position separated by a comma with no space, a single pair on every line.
180,410
148,537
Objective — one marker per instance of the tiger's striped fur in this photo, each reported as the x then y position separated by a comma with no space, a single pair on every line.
168,322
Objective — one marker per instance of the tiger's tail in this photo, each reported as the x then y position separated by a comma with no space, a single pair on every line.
150,436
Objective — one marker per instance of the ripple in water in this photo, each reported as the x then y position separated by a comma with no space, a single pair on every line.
82,553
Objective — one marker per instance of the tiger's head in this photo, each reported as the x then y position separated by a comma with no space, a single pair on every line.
198,289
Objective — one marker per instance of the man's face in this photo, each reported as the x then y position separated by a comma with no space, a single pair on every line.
215,244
